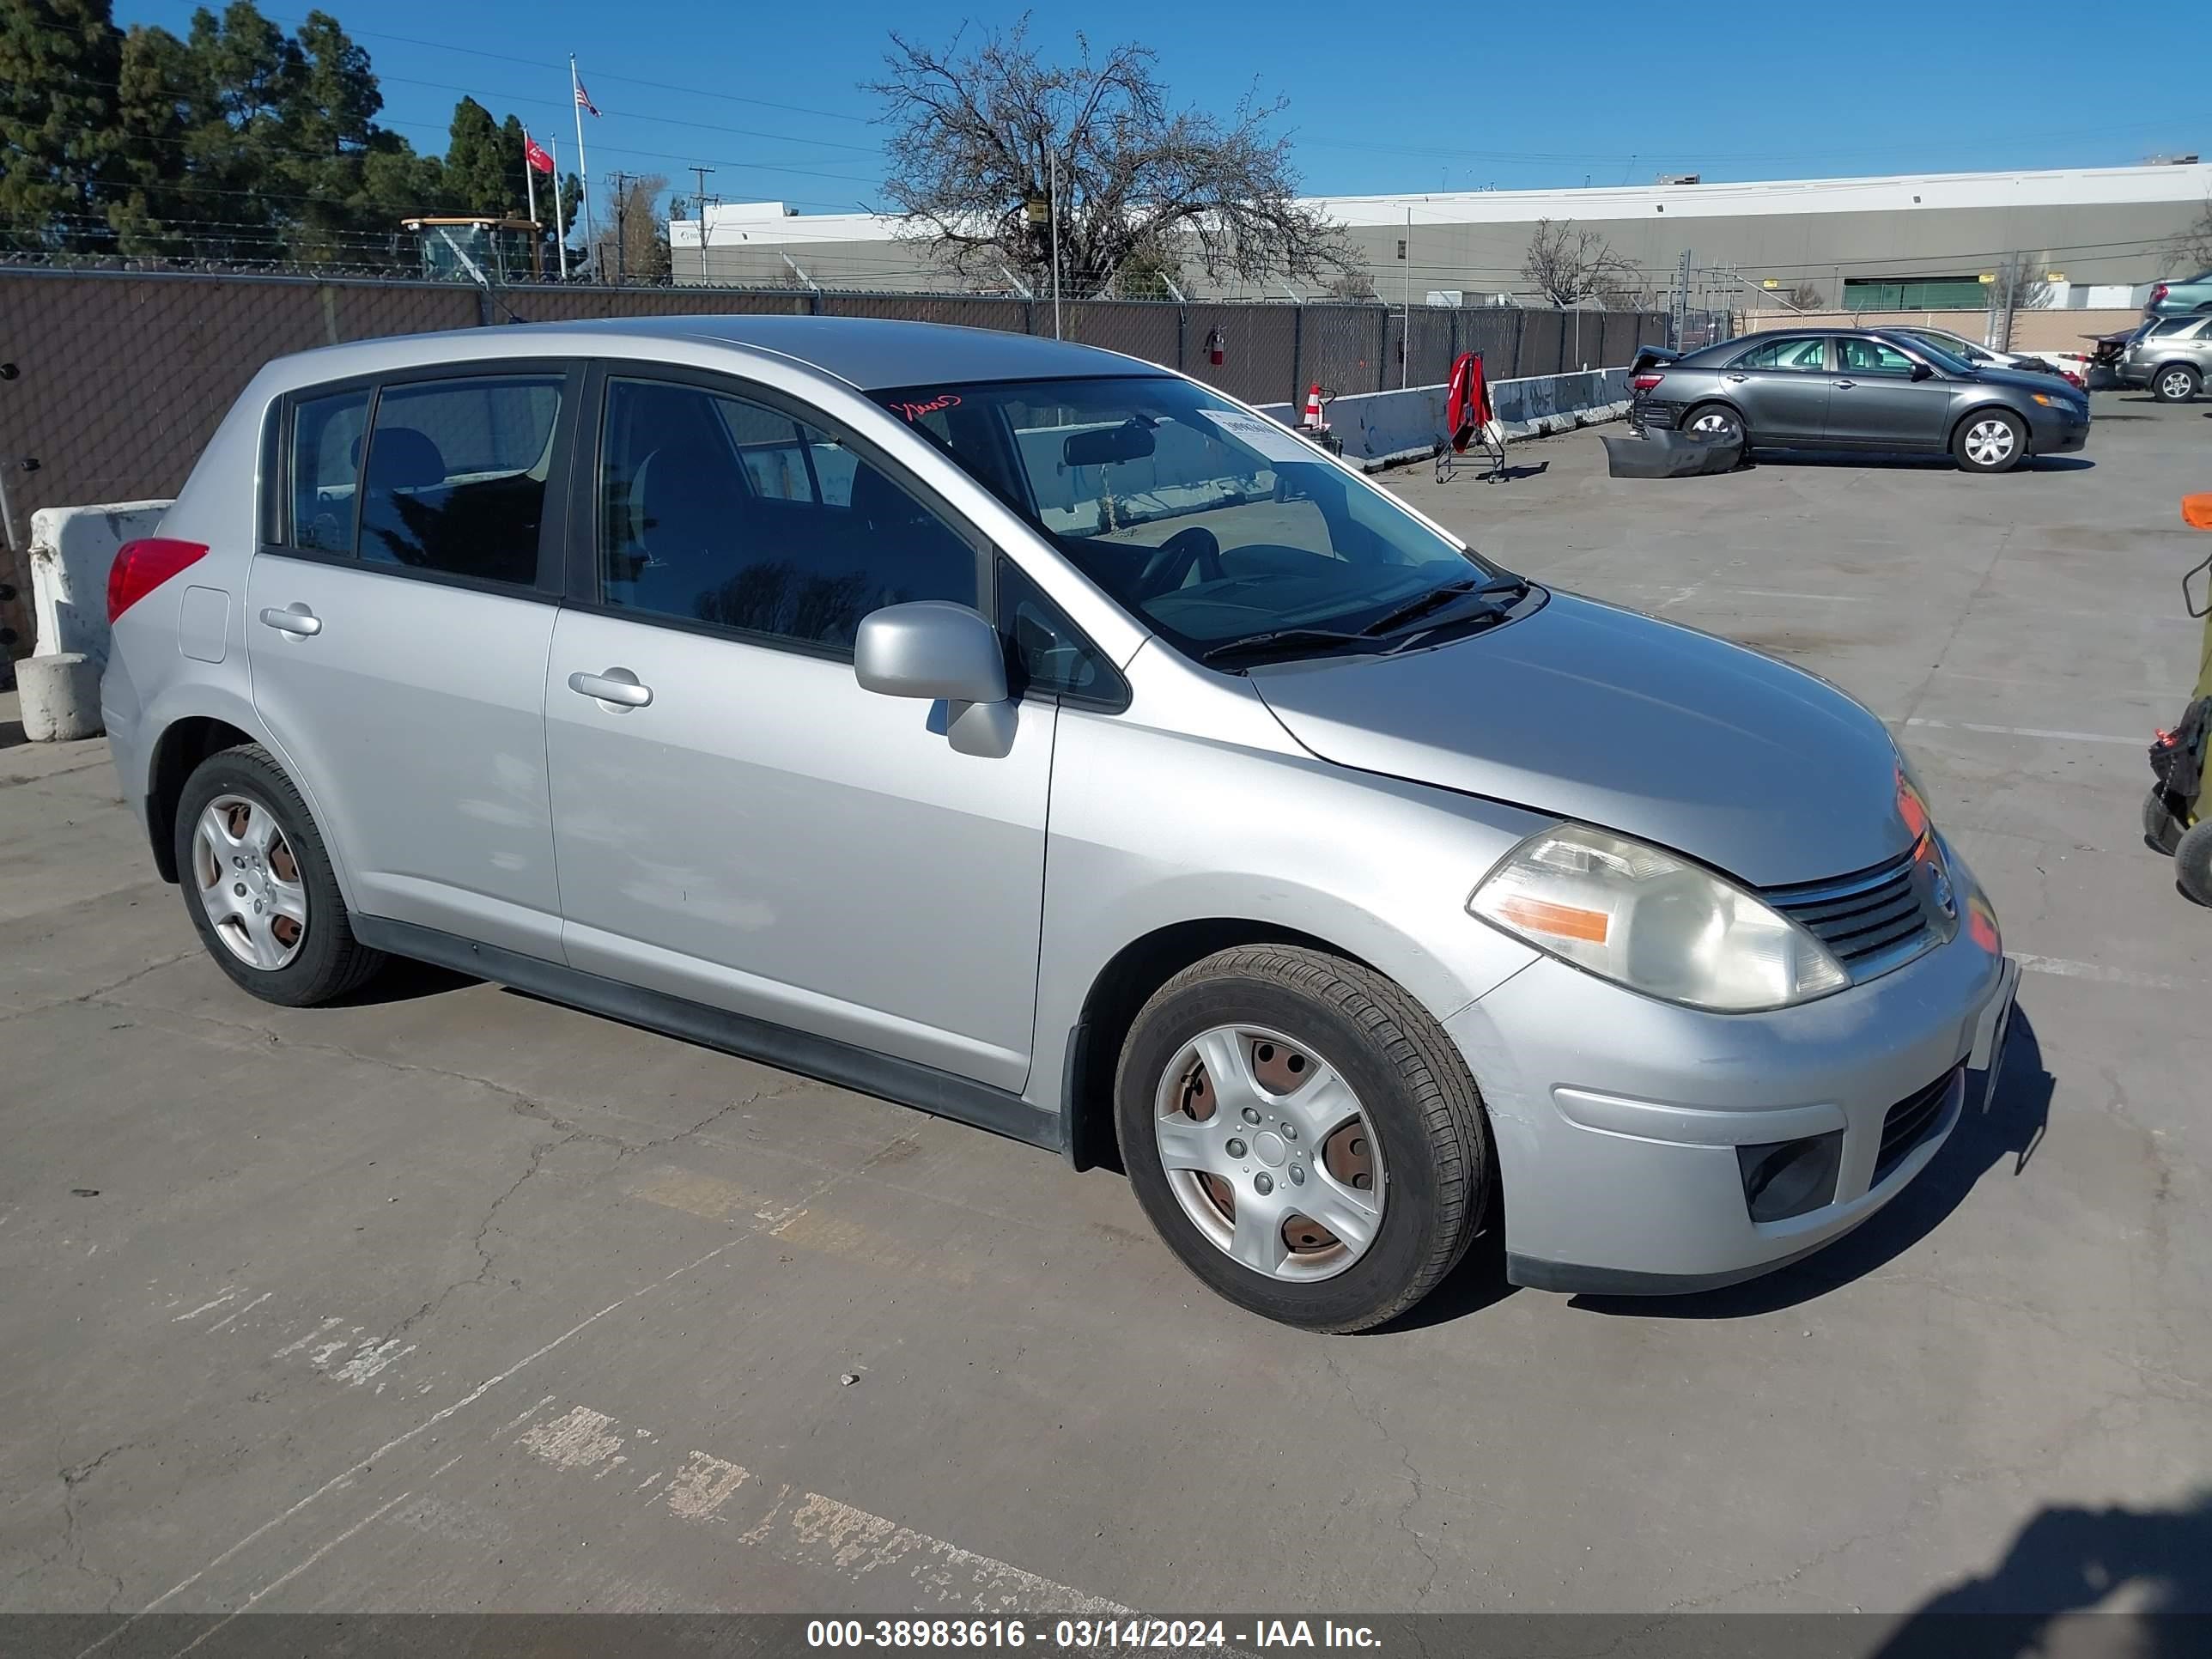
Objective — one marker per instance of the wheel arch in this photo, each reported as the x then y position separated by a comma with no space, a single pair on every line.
178,752
1122,987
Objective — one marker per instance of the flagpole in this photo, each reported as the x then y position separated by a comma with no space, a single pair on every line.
560,230
583,165
530,195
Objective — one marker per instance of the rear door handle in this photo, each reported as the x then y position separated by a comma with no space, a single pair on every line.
1739,379
294,619
618,686
1845,385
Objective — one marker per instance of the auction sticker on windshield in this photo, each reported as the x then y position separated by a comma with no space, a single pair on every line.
1274,442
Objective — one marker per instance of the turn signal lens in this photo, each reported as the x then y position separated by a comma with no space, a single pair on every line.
141,566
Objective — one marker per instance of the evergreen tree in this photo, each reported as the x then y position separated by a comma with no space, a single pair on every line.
58,64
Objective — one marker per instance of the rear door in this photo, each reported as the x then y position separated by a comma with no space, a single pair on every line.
738,822
1782,386
398,615
1877,405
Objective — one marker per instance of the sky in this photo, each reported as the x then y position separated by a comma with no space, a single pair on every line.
766,93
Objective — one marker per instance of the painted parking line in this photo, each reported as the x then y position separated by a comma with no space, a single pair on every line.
2064,968
2028,731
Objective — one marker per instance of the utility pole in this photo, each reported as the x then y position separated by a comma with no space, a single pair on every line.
699,202
1055,243
1405,327
621,206
2012,269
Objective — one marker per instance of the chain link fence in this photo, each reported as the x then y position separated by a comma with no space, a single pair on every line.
119,378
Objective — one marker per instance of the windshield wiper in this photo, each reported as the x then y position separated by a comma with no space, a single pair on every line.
1436,597
1280,639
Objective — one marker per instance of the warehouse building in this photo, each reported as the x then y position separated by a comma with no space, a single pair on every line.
2084,237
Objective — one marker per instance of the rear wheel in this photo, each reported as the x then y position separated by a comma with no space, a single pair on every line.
1716,423
2192,861
258,885
1989,441
2177,383
1305,1137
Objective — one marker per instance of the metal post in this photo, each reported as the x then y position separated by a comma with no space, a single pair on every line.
621,216
2013,268
1406,344
1297,350
560,230
1182,338
699,203
1054,192
583,162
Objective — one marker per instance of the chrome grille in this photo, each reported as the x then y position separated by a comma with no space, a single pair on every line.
1865,919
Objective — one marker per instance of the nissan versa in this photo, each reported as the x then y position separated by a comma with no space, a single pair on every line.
1038,738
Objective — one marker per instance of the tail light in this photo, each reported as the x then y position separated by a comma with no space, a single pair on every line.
2159,292
1645,382
141,566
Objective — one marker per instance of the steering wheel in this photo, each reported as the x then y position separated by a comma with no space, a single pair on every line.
1171,561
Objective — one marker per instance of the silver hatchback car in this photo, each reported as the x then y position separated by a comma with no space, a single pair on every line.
1038,738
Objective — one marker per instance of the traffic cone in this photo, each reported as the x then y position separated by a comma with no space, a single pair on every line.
1313,405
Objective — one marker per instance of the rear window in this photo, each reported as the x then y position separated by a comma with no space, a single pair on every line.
455,479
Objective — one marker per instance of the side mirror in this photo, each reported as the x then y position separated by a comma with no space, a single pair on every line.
949,654
1922,372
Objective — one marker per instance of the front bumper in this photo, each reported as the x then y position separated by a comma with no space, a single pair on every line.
2056,432
1616,1117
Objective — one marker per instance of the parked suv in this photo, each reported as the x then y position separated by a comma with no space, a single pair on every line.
1038,738
2171,355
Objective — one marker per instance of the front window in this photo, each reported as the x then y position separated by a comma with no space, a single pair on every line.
1225,532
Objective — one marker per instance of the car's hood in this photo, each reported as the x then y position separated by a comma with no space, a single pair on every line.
1619,719
2021,380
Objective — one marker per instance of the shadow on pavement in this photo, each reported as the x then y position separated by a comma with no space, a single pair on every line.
2073,1560
404,979
2003,1135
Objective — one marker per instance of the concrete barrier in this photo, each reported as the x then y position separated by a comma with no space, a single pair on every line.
71,549
1381,429
60,697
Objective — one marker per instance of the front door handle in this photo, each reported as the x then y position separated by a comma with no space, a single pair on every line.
618,686
294,619
1845,385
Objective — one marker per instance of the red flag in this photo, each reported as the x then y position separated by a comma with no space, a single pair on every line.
534,153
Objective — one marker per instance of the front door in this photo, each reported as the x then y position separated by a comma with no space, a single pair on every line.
1782,386
737,821
1876,404
398,614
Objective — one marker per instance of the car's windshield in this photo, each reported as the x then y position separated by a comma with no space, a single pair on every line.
1212,525
1937,353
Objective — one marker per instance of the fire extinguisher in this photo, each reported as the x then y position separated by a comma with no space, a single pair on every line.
1216,346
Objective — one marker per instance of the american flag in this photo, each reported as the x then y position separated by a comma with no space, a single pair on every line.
584,100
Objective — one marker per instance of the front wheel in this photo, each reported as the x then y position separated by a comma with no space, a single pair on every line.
1305,1137
1989,441
2175,384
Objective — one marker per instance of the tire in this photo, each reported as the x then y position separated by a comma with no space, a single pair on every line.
295,947
2176,383
2192,862
2162,829
1723,423
1989,441
1411,1100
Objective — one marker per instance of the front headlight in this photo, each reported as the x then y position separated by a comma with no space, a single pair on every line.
1654,922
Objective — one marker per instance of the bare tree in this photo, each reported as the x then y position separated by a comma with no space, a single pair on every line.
1570,267
2191,251
2020,286
644,230
1806,296
1352,284
985,138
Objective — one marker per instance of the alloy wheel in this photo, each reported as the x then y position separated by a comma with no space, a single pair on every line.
2175,385
249,882
1270,1153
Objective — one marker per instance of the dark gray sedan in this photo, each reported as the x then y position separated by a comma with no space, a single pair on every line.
1860,389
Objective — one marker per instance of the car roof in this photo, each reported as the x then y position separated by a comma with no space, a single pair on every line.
868,353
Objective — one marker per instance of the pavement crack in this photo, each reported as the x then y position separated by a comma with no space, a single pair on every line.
100,990
1416,1490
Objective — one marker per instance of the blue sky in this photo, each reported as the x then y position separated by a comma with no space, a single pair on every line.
1441,98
